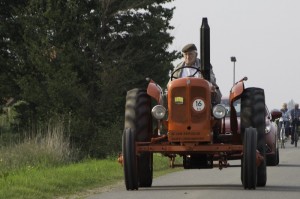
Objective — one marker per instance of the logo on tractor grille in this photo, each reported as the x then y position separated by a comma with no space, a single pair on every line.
198,104
178,100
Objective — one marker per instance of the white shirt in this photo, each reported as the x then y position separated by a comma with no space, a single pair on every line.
189,72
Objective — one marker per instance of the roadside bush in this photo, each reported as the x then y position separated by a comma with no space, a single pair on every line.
107,141
45,149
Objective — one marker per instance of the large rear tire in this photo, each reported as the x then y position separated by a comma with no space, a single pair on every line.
253,114
138,118
249,168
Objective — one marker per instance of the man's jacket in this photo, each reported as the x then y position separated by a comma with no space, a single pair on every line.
178,74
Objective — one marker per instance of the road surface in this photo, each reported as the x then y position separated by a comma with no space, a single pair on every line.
283,182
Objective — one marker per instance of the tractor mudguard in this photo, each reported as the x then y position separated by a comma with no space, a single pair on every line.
155,91
235,93
237,90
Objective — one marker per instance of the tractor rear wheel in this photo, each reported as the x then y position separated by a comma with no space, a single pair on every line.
138,118
253,113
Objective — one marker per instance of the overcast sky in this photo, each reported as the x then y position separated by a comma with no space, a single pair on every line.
263,35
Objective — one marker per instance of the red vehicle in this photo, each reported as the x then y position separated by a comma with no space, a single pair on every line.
271,132
190,124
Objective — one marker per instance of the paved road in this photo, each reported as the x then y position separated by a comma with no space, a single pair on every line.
283,183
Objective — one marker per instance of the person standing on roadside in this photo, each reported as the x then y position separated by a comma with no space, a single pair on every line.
295,118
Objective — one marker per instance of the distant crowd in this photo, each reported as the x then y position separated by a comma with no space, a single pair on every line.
290,120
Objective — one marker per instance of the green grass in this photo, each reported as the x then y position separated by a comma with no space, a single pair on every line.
44,183
41,166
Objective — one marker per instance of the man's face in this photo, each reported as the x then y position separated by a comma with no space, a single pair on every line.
190,57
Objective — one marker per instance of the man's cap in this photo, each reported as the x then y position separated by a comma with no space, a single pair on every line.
189,47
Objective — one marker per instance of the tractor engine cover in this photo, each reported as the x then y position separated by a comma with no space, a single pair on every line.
189,110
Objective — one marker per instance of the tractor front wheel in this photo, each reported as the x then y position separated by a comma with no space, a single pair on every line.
130,160
249,159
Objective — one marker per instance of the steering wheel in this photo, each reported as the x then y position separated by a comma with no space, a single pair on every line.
181,68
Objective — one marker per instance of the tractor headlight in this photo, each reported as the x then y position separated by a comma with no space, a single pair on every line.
159,112
268,129
219,111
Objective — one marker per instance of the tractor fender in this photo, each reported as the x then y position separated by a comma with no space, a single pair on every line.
155,91
235,93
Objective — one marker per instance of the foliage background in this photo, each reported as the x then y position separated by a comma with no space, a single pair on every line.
73,62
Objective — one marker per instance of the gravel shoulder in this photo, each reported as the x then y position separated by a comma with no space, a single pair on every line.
89,192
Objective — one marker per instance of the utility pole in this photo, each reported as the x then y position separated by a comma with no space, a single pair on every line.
233,59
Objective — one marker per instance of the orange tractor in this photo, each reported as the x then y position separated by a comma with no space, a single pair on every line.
187,122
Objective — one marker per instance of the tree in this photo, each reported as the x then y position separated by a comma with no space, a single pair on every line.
11,38
78,58
136,49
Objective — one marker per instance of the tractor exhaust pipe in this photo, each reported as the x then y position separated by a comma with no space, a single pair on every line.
205,49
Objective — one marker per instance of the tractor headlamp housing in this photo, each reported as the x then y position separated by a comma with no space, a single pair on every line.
268,129
219,111
159,112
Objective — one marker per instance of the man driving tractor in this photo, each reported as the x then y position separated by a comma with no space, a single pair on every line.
189,66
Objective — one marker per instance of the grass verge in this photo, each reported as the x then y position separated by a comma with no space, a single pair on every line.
63,181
